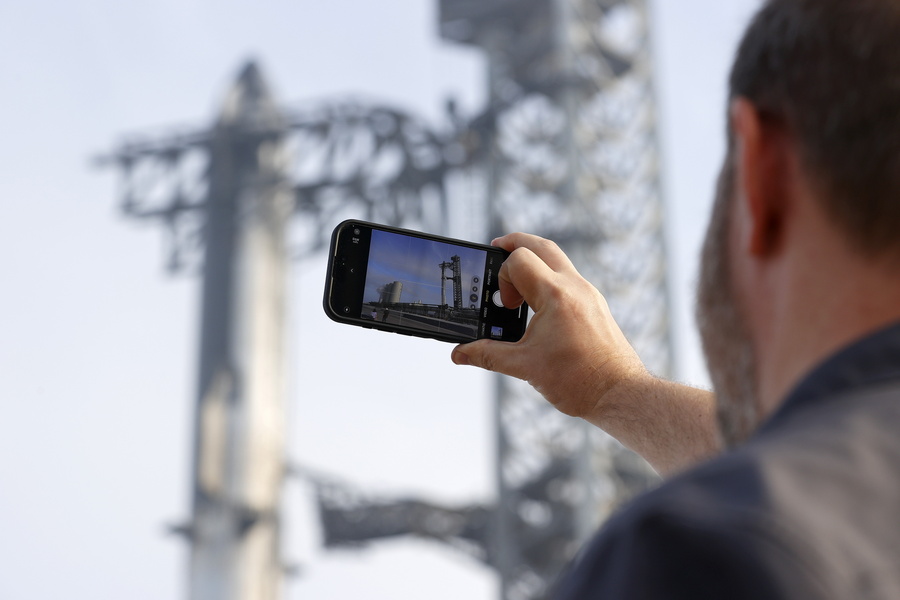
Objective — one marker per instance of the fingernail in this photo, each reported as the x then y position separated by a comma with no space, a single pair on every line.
459,358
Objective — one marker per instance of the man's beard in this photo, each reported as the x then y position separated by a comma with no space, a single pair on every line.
729,353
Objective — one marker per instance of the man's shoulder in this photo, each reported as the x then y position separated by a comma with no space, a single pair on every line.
708,533
805,510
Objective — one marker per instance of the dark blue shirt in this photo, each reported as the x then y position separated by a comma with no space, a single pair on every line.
808,508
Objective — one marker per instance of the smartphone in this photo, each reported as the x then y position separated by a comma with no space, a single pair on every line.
413,283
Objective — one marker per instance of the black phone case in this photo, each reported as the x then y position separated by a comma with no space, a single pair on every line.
334,270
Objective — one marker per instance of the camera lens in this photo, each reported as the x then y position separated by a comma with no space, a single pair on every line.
346,309
356,231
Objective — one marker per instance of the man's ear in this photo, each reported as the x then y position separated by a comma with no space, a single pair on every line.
762,152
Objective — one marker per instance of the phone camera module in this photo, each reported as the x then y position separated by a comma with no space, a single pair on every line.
346,310
356,231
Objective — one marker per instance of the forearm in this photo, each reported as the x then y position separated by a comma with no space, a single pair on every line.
672,426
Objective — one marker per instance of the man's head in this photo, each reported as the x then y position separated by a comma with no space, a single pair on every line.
829,72
824,75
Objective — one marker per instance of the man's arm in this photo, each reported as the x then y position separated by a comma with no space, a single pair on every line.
575,355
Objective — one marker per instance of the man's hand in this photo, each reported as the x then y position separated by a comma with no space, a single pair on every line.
573,352
575,355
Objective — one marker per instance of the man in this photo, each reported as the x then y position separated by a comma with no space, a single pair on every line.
799,313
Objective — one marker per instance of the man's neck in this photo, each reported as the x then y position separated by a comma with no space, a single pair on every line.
831,297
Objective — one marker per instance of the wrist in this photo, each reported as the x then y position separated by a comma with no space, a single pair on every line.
619,393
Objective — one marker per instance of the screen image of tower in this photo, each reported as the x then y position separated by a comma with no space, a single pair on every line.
423,284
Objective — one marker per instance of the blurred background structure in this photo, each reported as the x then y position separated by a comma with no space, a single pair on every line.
562,142
227,193
566,147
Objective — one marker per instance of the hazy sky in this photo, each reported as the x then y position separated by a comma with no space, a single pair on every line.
98,345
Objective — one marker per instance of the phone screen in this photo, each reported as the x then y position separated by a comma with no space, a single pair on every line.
420,284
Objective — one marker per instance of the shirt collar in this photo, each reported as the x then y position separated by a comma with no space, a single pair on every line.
870,360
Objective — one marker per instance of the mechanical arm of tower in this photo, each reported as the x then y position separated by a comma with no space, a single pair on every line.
351,158
352,518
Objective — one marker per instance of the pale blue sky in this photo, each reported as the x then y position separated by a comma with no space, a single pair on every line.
98,345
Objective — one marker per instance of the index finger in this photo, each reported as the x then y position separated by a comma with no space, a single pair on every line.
524,275
545,249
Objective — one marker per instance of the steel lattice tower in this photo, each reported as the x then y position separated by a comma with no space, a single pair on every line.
569,151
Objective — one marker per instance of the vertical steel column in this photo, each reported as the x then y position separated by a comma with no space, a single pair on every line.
238,455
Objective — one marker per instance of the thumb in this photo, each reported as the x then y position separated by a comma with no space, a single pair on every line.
487,354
